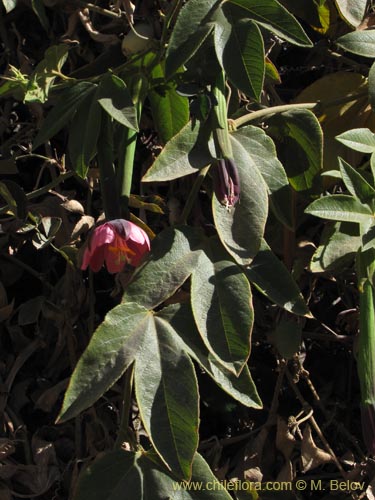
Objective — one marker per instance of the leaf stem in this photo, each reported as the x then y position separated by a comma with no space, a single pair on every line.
193,194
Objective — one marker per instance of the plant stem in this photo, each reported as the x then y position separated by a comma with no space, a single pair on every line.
107,170
193,194
267,112
125,171
124,434
101,10
128,147
318,106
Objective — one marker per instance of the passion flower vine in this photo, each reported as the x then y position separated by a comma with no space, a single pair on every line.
115,243
226,182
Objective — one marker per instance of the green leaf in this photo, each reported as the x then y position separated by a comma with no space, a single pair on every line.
63,111
368,239
360,42
15,198
338,246
352,11
183,155
287,337
359,139
222,306
142,474
112,349
315,13
131,333
173,257
115,99
262,154
9,5
274,17
340,207
241,228
267,272
355,183
84,134
301,147
192,27
241,53
44,74
169,410
40,10
241,388
170,111
371,86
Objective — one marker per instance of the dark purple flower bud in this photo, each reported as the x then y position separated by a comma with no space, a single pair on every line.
226,182
368,426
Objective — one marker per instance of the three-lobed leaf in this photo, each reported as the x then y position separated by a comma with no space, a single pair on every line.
132,334
173,257
338,245
267,273
110,476
84,133
166,389
240,228
241,51
112,349
183,155
241,387
63,111
300,147
356,183
263,156
115,99
340,207
359,139
352,11
170,111
222,305
274,17
192,27
361,42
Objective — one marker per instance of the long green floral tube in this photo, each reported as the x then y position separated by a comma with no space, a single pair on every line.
366,364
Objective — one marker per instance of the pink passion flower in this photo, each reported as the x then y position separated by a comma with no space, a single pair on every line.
115,243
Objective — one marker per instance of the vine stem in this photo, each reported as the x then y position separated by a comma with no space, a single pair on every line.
193,194
318,106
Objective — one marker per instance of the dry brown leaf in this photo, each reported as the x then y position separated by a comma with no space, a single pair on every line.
49,397
287,473
6,448
7,471
253,475
251,457
311,455
84,224
285,441
74,206
5,493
